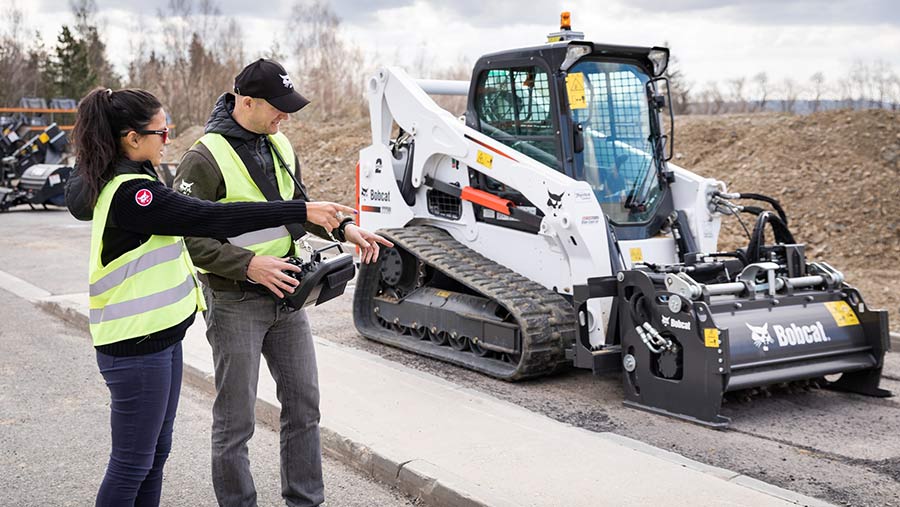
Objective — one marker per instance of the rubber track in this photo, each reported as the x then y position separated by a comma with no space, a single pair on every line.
546,320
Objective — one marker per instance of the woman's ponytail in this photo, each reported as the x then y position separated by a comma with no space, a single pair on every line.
103,117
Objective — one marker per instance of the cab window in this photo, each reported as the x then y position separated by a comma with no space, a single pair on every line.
514,107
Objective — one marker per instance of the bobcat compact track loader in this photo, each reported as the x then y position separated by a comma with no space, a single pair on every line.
547,228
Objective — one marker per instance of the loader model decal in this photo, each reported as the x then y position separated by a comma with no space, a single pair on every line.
554,200
788,336
761,337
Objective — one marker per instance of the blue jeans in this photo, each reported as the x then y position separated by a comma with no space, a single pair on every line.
144,391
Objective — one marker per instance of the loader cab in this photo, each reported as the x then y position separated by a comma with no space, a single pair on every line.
589,111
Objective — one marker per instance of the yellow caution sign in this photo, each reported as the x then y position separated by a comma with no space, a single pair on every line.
711,337
443,293
636,255
575,87
842,313
484,159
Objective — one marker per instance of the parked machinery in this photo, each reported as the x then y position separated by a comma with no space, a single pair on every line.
31,172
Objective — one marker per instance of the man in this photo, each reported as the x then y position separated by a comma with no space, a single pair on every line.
244,157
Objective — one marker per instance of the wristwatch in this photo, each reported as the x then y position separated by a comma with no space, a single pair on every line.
338,232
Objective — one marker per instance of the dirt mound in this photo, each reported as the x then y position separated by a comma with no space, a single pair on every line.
836,173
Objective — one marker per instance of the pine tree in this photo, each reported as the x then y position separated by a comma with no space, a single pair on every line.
70,70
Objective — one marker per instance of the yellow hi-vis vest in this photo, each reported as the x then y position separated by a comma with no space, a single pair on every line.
239,187
146,290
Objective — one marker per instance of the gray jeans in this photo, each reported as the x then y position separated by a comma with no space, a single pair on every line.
241,326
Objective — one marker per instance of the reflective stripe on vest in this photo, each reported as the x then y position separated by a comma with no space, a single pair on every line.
240,187
143,304
143,291
144,262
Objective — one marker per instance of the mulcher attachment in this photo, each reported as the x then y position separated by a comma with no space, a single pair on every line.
685,344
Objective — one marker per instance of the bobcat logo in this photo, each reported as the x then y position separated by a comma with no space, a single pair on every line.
554,200
761,336
185,188
143,197
286,81
363,192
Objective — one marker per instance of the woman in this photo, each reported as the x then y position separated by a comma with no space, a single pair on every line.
143,292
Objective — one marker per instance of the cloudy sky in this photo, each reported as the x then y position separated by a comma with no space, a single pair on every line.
712,39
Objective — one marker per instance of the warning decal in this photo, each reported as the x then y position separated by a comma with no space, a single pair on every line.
575,87
636,255
842,313
484,159
711,337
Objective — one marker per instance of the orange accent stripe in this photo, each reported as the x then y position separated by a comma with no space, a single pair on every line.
357,202
495,150
491,201
357,192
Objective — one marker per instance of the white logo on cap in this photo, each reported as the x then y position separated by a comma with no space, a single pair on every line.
286,81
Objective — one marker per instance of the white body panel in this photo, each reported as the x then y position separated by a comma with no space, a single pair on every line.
572,244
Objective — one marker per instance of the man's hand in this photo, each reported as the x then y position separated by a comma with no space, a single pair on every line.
327,214
266,270
366,241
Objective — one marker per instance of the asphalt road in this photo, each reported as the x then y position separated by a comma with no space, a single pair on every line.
838,447
54,428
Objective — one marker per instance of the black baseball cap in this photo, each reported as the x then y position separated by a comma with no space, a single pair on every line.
266,79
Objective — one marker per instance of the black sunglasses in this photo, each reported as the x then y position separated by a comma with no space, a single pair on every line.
164,133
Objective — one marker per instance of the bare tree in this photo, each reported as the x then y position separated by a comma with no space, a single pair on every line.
203,51
817,82
331,68
22,62
736,88
881,81
762,91
679,87
789,92
895,92
860,81
845,92
711,99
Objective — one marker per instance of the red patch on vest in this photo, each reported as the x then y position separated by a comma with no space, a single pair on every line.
144,197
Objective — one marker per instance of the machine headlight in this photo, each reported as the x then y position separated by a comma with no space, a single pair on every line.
573,53
660,59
